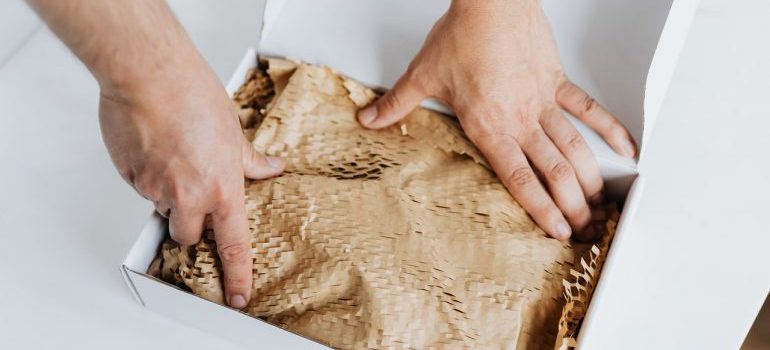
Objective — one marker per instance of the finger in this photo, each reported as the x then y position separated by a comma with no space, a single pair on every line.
258,166
511,166
576,101
163,209
186,226
574,148
394,105
233,245
560,177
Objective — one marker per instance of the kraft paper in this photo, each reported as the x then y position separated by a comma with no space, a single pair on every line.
400,238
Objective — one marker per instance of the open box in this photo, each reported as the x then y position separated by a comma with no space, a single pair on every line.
623,52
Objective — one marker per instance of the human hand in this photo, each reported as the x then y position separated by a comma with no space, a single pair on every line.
174,136
496,65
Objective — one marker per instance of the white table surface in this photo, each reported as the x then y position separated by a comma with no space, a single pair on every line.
67,219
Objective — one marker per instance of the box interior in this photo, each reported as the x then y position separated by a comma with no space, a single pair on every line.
177,303
280,36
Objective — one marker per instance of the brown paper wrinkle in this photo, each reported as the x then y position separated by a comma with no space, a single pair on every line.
400,238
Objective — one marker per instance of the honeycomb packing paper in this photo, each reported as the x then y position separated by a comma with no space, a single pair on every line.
400,238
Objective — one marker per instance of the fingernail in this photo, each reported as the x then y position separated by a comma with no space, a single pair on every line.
237,301
563,230
597,198
275,162
367,115
629,149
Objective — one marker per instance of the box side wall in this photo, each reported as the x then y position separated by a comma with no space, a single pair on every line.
143,251
588,331
146,246
213,318
248,61
127,279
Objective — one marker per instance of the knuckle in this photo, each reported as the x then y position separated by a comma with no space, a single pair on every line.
530,130
589,104
257,158
234,253
220,194
147,187
574,143
163,210
235,280
522,177
481,131
187,198
412,75
417,78
565,89
391,101
182,200
559,172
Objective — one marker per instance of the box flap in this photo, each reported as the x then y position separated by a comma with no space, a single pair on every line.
145,249
248,61
607,46
666,57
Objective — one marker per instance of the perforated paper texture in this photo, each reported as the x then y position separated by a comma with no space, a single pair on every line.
400,238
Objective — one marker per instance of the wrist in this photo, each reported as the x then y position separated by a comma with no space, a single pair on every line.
156,74
131,68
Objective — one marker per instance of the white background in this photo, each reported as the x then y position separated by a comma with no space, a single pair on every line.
67,219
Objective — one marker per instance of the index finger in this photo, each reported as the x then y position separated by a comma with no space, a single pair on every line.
231,233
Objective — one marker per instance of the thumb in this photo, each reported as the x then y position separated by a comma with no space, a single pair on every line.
393,106
258,166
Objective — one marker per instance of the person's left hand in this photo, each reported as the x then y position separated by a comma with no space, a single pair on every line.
495,63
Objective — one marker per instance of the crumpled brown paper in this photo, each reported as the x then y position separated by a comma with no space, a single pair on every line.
399,238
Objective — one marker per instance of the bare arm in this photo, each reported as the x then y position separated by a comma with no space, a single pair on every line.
119,41
167,122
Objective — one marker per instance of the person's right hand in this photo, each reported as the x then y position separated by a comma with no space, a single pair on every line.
174,136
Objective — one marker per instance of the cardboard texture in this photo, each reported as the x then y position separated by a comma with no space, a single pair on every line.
400,238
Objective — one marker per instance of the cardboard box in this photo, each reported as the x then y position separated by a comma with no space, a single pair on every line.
623,52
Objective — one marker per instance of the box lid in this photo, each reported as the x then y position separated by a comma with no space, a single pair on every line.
623,52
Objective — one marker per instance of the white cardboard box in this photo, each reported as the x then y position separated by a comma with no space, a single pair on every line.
623,52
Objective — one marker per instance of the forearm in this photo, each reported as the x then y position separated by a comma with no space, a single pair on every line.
492,6
120,42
